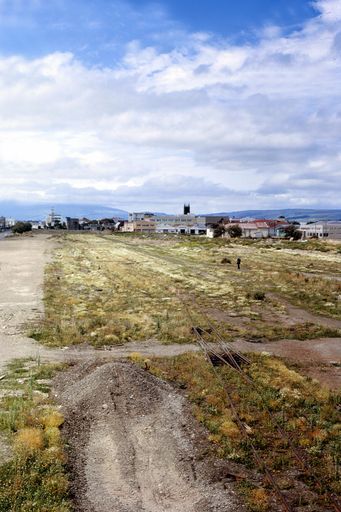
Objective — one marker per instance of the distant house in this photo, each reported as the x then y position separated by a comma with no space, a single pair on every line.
92,225
215,226
277,227
254,229
185,224
37,224
108,223
10,222
211,232
84,220
263,228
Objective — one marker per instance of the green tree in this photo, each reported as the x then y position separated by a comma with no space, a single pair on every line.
22,227
235,231
218,230
292,232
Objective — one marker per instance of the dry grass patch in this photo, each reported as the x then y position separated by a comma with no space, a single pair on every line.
306,412
108,290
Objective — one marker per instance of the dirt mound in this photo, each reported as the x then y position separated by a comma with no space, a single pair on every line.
133,445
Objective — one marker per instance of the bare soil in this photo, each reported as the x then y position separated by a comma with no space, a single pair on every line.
319,359
299,315
134,446
22,262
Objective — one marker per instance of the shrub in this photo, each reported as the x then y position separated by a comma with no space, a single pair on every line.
292,232
22,227
52,419
258,500
53,436
235,231
259,295
224,261
28,441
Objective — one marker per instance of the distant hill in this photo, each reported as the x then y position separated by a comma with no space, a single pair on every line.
39,211
289,213
29,211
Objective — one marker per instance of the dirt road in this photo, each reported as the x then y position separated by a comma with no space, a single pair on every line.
22,262
134,446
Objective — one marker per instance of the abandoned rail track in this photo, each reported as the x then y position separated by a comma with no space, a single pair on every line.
224,354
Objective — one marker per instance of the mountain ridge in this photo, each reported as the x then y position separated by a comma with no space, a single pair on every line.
299,214
39,211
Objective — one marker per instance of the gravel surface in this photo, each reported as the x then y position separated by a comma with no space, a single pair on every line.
22,262
133,446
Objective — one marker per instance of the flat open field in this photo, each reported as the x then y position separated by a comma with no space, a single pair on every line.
127,424
108,290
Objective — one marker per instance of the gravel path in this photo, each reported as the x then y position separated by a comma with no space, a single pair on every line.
22,262
133,446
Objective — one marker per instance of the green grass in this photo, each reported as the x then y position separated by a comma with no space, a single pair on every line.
33,479
308,413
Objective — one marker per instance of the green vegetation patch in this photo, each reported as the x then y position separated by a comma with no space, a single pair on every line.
308,414
33,477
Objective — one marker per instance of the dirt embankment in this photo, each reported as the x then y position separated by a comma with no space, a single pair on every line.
134,446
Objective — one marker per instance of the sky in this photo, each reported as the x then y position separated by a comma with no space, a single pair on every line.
146,105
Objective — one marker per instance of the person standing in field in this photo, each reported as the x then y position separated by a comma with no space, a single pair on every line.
238,263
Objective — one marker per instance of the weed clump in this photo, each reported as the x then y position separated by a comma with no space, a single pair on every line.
51,418
258,500
225,261
259,295
28,441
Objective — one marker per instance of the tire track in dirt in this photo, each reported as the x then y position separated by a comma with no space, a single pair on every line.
134,446
301,315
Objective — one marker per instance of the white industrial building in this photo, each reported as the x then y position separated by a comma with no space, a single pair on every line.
187,224
183,224
321,229
53,219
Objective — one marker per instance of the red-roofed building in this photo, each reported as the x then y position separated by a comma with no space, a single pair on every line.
261,228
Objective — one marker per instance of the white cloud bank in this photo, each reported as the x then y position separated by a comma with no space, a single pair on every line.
221,125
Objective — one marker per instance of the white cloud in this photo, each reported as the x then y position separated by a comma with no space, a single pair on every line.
227,126
330,10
